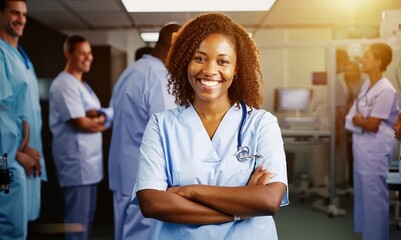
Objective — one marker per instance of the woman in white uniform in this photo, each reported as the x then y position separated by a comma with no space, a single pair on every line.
195,175
371,119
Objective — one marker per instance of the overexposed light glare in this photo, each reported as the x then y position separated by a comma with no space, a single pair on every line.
197,6
150,36
154,36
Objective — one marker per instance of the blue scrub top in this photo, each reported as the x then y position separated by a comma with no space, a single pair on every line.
139,92
177,151
14,80
77,154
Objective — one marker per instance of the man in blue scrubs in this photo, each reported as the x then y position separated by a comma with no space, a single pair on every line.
140,91
76,122
20,125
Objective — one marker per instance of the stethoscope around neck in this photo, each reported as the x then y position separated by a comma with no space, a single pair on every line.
364,98
242,153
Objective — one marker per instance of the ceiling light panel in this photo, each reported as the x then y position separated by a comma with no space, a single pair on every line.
197,6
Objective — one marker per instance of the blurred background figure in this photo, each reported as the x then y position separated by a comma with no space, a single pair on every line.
353,81
341,93
142,51
371,119
140,92
76,121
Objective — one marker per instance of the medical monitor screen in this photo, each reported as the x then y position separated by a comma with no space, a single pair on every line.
293,99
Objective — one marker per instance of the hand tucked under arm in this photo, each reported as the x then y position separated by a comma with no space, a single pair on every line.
260,176
98,116
370,124
101,119
88,124
171,207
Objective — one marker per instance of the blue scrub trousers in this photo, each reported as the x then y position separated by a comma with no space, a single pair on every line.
129,223
80,206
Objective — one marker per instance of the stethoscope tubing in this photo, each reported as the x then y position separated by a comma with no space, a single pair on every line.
242,153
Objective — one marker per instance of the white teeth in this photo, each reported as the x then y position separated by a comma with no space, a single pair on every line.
210,83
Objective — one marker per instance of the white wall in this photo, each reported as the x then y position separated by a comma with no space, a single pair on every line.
289,56
127,40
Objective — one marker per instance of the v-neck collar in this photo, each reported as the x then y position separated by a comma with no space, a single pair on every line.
224,132
20,53
194,115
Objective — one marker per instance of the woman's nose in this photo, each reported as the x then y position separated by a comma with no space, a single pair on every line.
210,68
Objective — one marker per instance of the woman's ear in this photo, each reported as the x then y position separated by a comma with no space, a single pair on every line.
378,63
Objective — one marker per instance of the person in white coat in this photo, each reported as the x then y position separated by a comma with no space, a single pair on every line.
76,121
214,167
371,120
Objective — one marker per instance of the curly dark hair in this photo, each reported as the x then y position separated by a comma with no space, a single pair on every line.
245,86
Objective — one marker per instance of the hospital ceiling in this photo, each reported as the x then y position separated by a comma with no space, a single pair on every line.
111,15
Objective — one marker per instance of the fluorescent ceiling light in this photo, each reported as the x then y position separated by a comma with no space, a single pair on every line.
197,6
150,36
154,36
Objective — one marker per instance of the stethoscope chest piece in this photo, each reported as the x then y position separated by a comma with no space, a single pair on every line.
242,153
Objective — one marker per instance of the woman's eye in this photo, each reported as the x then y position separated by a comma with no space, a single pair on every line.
199,58
224,62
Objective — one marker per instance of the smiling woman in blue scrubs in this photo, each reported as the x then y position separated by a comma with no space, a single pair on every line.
191,176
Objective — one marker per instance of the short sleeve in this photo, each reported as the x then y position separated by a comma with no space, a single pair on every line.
152,172
271,147
67,100
383,104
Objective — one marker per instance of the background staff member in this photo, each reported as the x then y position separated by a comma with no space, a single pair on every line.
20,124
139,92
371,120
76,121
